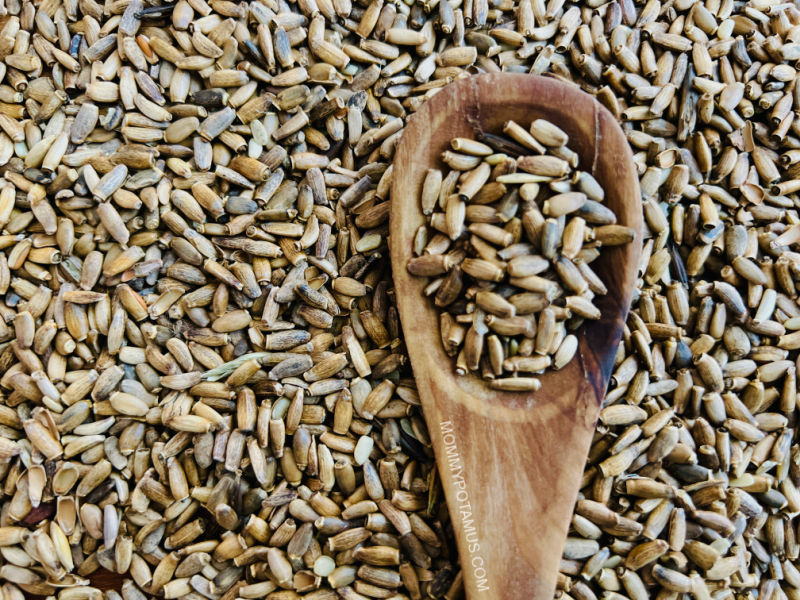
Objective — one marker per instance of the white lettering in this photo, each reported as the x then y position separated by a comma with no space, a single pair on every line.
456,468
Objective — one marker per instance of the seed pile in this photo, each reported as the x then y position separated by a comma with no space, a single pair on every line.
204,385
691,484
504,244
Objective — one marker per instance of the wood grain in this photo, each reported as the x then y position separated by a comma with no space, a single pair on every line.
511,463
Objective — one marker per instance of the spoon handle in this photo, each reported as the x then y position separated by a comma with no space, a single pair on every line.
511,484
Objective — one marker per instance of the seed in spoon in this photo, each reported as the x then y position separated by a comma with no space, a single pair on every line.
509,244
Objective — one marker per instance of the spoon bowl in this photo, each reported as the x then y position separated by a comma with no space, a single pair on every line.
511,463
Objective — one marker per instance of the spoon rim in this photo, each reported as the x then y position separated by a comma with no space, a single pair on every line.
460,106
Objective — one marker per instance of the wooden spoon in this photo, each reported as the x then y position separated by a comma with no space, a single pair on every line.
511,463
